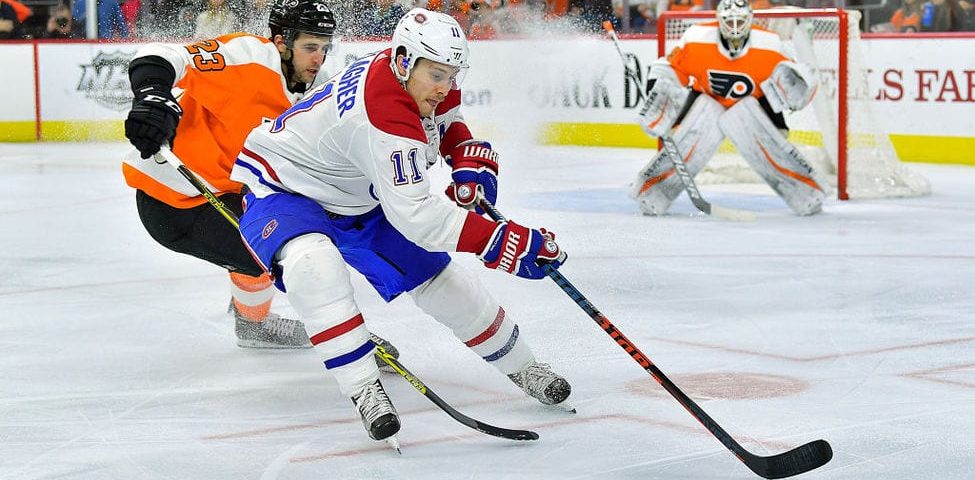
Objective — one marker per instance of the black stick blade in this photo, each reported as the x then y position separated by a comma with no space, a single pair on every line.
502,432
787,464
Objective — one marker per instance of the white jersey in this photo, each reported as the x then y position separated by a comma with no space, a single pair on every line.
358,141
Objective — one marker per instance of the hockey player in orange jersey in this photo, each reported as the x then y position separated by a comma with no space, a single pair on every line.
728,79
224,87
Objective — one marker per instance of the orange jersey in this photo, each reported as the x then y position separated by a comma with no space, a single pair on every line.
905,22
226,87
700,59
685,5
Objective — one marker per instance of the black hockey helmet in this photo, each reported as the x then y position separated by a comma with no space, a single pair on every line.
291,17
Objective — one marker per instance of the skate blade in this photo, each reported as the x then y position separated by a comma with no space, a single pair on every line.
257,344
393,442
566,406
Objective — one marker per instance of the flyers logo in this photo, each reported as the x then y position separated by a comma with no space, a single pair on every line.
730,84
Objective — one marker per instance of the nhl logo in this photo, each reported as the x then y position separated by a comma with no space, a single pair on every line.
105,80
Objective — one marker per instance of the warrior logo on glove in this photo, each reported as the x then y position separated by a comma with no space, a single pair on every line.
475,170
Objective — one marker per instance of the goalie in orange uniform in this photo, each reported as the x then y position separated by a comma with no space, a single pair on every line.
740,83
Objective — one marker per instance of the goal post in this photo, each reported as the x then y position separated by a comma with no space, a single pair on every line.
838,131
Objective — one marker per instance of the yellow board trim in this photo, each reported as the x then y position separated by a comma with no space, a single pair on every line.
75,131
931,149
911,148
18,131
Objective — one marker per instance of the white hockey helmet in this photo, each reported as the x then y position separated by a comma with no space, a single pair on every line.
734,23
431,35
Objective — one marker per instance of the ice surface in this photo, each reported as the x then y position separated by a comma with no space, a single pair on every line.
117,359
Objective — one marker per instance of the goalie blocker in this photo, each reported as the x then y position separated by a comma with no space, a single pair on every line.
665,100
656,185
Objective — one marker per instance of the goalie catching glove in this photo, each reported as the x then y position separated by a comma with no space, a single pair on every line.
521,251
790,87
475,174
153,119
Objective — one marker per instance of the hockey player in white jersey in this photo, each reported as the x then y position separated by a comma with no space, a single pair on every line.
740,83
341,179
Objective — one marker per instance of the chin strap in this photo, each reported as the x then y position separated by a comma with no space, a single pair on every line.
288,68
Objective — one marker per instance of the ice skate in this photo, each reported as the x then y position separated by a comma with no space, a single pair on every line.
274,331
540,382
377,412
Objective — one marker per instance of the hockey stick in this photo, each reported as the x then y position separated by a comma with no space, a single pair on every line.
673,154
460,417
166,155
670,149
793,462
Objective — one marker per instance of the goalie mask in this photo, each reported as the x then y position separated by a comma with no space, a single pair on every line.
734,23
431,35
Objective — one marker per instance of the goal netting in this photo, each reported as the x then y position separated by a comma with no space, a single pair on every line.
838,132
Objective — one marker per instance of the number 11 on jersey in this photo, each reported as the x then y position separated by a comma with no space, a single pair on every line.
399,169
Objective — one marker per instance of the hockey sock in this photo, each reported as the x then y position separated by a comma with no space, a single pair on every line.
320,290
457,299
252,296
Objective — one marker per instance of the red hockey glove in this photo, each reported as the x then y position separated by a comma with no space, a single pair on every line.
475,170
521,251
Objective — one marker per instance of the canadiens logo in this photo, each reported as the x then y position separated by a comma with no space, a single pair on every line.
732,85
106,80
269,229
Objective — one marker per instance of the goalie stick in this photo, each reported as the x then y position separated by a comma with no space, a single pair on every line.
670,149
673,154
167,156
801,459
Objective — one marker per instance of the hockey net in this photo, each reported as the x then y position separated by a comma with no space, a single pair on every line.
840,114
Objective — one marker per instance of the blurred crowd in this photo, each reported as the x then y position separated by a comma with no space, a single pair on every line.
185,19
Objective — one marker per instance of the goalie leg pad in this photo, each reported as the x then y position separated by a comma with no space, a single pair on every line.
776,160
457,299
320,290
697,138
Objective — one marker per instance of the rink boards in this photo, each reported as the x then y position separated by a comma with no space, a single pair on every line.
552,90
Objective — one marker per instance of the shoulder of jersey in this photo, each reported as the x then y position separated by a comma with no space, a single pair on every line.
451,102
388,106
765,39
241,48
706,32
242,35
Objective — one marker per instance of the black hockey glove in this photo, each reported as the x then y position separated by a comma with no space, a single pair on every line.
153,119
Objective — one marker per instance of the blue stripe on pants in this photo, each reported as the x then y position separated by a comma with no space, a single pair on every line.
350,357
